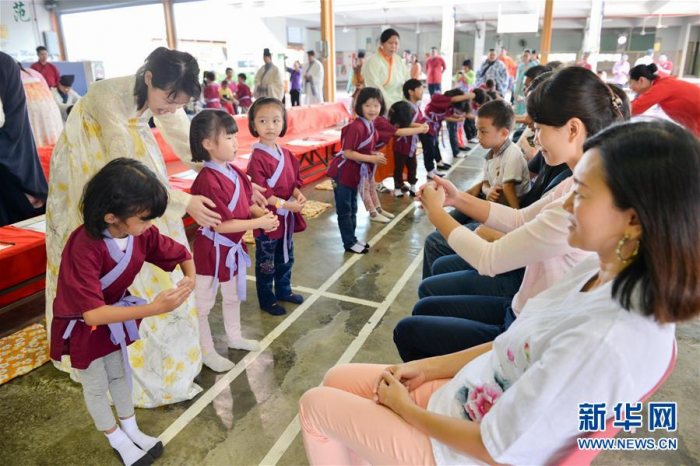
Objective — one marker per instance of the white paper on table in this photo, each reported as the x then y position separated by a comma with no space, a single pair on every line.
38,226
188,175
305,143
335,133
6,245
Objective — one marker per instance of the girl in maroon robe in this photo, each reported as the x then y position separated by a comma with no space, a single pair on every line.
95,317
277,170
220,254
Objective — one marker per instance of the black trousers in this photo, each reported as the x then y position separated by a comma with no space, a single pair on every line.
294,94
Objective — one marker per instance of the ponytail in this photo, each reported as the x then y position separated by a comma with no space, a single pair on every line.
644,71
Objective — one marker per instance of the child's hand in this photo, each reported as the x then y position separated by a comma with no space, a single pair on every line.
494,194
257,195
301,199
378,158
424,128
171,299
293,206
186,282
269,222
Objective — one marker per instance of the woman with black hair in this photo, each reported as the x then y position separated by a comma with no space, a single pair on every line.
680,100
109,122
385,70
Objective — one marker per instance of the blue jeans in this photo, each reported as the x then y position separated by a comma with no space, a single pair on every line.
269,267
454,142
346,209
436,246
431,151
468,282
433,88
454,328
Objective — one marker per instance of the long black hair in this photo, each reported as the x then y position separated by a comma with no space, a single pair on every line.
644,71
401,114
653,167
125,188
173,71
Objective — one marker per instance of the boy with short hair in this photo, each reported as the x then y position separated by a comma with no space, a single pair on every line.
506,176
243,94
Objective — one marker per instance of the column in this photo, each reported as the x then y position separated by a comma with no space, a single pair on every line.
546,38
683,39
591,39
447,44
479,39
328,58
170,34
58,29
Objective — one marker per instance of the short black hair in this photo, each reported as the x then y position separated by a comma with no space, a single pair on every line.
228,69
388,34
401,114
462,106
41,48
490,83
366,94
125,188
257,105
311,53
172,71
499,112
210,75
537,70
242,75
467,62
208,124
411,85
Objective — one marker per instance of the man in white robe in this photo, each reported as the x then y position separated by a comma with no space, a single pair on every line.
268,79
313,80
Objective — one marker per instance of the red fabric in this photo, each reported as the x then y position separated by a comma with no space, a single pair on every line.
437,110
680,100
244,95
211,95
220,190
261,167
49,72
83,261
45,158
26,259
434,67
511,66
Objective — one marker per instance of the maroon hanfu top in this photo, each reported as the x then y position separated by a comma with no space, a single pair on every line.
403,144
351,136
83,262
217,187
439,108
385,131
261,168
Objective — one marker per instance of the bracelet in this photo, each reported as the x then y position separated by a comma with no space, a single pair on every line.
280,203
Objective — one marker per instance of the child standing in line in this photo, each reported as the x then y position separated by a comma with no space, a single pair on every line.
368,191
277,170
450,107
95,317
506,176
405,117
210,91
220,253
243,94
358,140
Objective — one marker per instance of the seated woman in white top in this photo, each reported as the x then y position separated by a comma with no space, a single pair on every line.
603,334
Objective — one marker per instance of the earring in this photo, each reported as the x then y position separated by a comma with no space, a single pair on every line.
620,245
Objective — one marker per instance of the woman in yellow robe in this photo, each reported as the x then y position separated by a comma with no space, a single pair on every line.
111,121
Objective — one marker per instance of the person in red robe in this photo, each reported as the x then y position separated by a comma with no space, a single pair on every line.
47,70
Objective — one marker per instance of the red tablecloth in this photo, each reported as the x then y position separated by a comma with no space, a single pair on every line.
24,260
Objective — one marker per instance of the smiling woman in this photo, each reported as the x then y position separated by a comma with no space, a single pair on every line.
111,121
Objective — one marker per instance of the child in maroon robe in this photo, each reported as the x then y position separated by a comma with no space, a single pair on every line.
220,254
359,141
277,170
95,317
243,94
406,117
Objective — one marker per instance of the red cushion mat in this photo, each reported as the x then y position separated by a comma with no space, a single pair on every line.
26,259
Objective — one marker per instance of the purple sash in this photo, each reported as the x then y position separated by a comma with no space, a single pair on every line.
236,259
118,330
287,216
370,127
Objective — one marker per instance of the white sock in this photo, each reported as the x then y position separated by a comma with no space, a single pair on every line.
128,452
145,442
358,248
243,344
216,362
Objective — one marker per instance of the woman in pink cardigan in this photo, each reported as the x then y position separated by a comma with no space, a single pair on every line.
567,108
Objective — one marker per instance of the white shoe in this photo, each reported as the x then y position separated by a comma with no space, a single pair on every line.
216,362
385,213
379,218
398,193
243,344
381,188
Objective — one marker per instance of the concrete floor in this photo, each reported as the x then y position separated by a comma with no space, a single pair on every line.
353,304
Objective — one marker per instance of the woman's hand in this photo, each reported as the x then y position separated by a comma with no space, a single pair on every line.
432,197
258,196
451,191
411,374
199,210
392,394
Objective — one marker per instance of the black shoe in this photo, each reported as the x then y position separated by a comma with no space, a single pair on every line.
405,188
292,298
145,460
274,310
443,166
364,250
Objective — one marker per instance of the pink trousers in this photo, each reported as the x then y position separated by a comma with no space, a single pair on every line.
342,424
368,193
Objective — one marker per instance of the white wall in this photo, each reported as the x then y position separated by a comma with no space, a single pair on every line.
19,38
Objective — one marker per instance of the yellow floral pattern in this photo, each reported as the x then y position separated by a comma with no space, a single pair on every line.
23,351
105,125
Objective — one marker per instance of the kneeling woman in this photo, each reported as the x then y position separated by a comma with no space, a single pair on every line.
602,334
